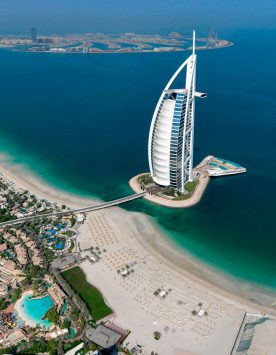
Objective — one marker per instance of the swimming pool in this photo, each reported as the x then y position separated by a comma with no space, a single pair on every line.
71,333
59,245
64,308
230,162
213,164
32,310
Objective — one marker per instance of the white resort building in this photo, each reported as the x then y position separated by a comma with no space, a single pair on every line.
171,137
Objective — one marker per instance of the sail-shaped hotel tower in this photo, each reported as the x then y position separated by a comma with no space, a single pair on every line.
171,138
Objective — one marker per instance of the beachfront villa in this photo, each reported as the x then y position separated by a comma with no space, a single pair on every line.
171,137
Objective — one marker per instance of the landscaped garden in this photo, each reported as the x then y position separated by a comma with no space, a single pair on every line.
147,183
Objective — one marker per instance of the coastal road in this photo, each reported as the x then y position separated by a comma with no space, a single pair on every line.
74,210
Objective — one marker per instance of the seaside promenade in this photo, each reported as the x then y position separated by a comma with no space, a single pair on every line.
75,210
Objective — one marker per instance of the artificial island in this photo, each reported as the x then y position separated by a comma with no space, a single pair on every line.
173,181
100,43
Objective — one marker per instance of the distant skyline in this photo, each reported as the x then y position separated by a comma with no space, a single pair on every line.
151,16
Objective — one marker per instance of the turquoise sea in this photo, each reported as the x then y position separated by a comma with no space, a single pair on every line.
82,122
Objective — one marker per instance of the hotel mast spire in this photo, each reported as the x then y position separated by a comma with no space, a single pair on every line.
193,44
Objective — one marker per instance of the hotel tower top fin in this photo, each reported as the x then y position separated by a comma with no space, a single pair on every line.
171,137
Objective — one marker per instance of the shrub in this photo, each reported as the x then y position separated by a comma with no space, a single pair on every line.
157,335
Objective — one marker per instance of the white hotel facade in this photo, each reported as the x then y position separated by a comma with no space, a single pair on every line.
171,137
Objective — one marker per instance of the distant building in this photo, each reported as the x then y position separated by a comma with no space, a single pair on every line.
213,35
57,50
212,38
49,40
33,35
175,34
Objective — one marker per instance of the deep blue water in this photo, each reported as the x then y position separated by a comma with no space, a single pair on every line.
82,121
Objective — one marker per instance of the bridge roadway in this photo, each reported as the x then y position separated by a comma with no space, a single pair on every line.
74,210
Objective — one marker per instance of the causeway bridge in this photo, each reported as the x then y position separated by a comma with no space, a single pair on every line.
74,210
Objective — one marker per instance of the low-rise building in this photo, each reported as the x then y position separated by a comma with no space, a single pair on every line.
22,236
9,275
9,265
57,295
13,337
10,238
3,201
56,333
21,253
66,261
75,349
105,336
36,258
3,247
80,218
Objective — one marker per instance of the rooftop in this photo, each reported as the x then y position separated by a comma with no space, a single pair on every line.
3,247
103,336
66,261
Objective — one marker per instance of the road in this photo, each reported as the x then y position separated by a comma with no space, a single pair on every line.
74,210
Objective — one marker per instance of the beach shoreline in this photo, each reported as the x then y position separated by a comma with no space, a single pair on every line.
149,236
24,178
179,259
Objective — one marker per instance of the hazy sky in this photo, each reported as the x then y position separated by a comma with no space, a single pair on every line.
141,16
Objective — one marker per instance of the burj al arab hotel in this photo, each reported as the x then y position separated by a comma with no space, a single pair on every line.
171,137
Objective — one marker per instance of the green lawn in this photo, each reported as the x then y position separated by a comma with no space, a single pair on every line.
68,233
190,188
88,293
145,179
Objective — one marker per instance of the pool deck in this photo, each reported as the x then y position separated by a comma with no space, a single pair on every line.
216,167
